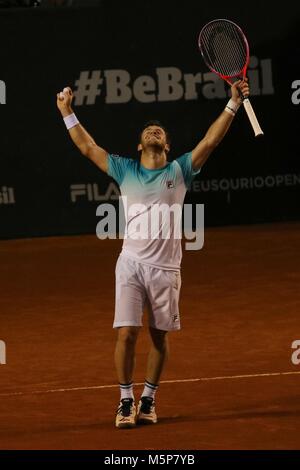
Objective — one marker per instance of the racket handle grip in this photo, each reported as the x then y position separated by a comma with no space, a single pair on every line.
252,118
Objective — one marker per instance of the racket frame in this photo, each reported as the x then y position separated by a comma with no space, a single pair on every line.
240,75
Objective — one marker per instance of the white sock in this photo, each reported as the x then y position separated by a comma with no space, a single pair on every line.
126,391
149,390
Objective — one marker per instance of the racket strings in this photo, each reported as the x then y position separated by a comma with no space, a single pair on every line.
225,51
224,47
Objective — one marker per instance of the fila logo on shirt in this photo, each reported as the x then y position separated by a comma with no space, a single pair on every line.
170,184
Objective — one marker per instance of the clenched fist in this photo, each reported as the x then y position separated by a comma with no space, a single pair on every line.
64,101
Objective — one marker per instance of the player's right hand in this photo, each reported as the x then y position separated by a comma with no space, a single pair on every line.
64,100
240,90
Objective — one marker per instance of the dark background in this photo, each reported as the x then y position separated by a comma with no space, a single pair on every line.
43,50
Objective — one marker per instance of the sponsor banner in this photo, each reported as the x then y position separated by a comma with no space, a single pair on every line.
120,81
166,85
92,191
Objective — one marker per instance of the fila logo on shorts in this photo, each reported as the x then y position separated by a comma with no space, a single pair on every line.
175,317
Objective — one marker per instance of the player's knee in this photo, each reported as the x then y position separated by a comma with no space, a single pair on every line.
159,339
128,335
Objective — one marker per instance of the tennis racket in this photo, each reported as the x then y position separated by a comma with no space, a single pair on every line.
225,51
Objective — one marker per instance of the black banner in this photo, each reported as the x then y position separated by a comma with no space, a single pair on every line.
128,63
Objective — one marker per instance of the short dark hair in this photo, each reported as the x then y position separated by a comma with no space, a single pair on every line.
154,122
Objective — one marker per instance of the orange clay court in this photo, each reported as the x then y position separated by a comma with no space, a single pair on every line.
229,383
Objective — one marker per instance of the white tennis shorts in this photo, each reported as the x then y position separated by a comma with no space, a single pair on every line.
139,285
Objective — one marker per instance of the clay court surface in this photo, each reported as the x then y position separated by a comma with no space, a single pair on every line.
229,383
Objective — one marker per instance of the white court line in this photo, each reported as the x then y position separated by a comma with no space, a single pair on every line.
99,387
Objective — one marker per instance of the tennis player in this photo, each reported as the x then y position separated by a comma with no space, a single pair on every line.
148,268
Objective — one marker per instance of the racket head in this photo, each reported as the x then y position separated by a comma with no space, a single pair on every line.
225,49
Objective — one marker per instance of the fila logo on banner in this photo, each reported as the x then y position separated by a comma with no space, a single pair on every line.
91,192
7,195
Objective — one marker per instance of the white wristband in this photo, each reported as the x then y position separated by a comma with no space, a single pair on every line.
71,121
232,107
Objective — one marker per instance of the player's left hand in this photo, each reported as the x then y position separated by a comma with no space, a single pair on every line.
239,90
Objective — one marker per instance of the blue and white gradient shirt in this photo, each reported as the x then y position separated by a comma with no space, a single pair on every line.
151,199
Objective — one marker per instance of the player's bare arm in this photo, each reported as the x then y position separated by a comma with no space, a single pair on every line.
79,135
219,128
